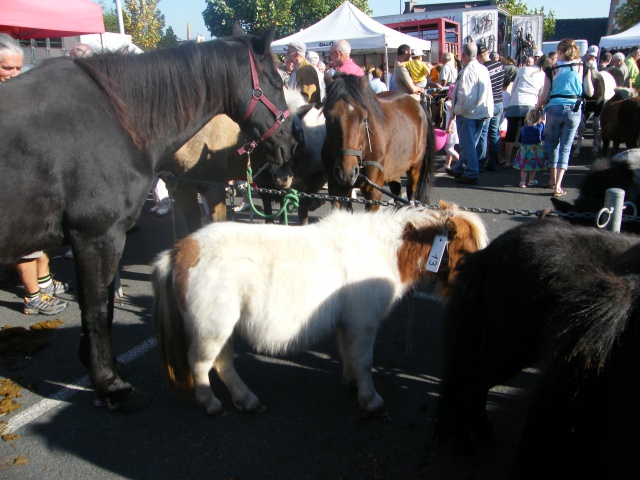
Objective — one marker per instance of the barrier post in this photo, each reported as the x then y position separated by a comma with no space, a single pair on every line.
614,199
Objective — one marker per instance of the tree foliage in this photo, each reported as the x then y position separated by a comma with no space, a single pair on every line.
627,15
519,7
169,39
256,16
144,22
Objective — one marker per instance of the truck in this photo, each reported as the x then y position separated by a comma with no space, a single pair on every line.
490,25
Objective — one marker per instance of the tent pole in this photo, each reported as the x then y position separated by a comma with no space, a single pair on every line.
386,61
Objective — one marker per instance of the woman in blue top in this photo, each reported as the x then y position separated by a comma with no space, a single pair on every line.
564,86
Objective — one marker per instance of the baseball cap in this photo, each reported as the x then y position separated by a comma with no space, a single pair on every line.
538,53
416,52
298,46
593,50
313,58
482,49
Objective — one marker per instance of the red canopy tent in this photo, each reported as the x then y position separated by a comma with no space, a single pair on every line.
24,19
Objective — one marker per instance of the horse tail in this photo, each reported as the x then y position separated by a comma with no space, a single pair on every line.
169,326
426,179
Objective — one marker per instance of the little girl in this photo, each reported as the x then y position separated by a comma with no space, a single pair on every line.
530,156
451,129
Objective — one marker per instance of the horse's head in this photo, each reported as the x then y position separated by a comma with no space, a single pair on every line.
301,118
458,232
260,107
349,108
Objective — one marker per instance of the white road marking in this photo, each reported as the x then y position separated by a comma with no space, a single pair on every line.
69,390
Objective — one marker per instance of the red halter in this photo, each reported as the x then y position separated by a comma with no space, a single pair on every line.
258,96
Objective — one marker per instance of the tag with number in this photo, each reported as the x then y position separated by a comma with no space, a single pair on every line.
437,251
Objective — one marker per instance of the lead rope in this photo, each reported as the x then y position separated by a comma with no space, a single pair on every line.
289,204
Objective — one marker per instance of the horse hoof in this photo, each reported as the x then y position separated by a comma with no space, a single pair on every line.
218,413
260,408
133,402
380,413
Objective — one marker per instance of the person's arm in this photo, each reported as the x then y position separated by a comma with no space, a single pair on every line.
544,93
402,76
587,84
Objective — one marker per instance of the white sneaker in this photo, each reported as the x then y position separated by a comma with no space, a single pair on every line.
241,208
163,211
154,209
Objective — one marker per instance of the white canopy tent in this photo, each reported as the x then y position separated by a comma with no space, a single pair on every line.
347,22
625,39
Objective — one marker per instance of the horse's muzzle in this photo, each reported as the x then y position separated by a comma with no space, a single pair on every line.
346,176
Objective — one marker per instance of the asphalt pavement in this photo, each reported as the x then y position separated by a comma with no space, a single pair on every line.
312,429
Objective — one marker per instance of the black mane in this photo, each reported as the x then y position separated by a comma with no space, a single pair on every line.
348,88
154,92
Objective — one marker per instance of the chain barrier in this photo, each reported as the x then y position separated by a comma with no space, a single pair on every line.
292,201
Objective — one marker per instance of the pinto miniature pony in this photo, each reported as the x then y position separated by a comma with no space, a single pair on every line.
488,339
381,137
237,278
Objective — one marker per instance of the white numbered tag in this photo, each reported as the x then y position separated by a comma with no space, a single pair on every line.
437,251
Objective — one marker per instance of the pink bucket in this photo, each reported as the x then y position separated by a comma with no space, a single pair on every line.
441,138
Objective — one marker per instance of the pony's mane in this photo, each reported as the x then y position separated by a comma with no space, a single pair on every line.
294,99
349,89
172,84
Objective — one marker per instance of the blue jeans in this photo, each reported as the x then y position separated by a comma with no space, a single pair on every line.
562,123
491,129
469,132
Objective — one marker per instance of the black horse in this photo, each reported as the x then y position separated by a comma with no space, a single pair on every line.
487,338
620,171
584,418
80,142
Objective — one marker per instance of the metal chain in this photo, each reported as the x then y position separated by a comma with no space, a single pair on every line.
170,177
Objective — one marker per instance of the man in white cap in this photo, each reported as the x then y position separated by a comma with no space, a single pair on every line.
592,56
536,55
304,76
314,59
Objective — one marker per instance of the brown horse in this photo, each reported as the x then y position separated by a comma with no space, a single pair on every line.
380,137
212,153
620,121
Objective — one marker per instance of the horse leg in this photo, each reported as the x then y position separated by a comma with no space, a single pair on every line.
356,349
186,199
243,398
96,262
217,201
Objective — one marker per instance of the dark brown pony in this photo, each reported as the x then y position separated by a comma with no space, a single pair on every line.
380,137
620,121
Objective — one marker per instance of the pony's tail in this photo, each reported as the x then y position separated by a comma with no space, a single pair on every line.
425,181
169,326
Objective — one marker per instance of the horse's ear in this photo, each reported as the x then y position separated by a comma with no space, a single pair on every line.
364,81
264,42
237,29
328,79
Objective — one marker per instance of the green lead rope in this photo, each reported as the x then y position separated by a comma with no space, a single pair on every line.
290,201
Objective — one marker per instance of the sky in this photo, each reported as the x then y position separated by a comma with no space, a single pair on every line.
178,13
